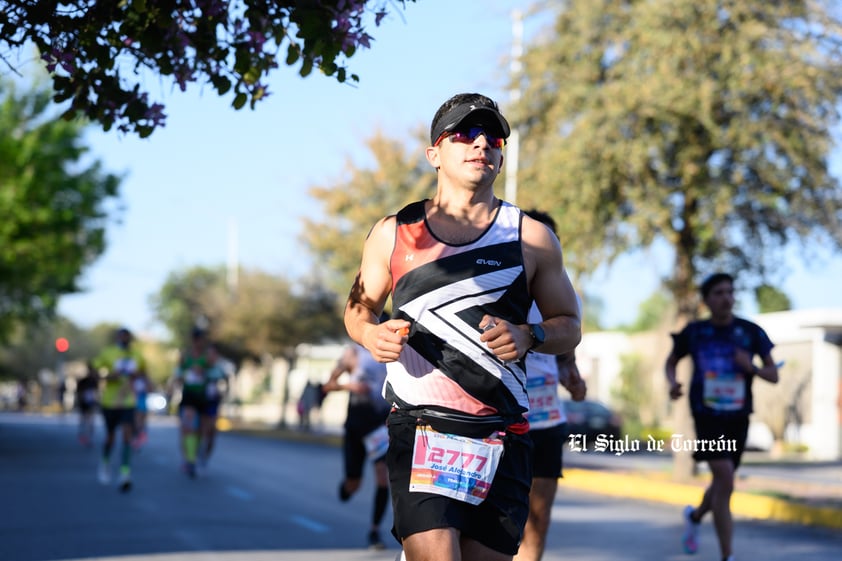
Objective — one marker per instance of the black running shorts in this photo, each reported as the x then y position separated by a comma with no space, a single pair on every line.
361,420
726,434
195,399
548,444
497,522
114,417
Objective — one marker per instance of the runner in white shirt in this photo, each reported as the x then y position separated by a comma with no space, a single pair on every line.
547,420
365,436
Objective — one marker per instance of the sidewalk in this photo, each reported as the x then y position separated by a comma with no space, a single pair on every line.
769,499
775,496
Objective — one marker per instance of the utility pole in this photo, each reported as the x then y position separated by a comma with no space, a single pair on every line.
513,145
233,276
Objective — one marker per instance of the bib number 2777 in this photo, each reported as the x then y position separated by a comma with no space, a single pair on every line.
454,466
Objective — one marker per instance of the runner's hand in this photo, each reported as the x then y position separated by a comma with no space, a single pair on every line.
386,340
569,376
506,340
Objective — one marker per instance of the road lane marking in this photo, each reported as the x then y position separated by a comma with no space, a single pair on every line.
239,493
310,524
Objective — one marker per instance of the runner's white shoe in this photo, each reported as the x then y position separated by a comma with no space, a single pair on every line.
690,540
104,473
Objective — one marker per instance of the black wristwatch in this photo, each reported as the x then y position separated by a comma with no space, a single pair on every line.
538,335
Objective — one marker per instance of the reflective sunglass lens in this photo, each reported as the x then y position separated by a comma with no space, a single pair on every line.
471,134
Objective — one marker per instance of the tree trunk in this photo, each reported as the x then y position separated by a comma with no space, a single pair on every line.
683,464
684,467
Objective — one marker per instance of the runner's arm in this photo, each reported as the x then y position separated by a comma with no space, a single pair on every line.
369,292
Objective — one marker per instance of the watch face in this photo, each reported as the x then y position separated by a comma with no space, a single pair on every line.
537,334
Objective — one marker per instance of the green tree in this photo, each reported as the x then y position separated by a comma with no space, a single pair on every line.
771,299
31,347
652,312
632,394
190,297
54,203
264,315
703,123
99,52
397,176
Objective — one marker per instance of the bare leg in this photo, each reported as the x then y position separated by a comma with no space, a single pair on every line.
719,493
208,435
351,485
381,494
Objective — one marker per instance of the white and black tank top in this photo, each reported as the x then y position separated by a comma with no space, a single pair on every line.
444,290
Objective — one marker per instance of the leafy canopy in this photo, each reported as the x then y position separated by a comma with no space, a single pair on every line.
98,52
706,124
54,204
259,314
397,176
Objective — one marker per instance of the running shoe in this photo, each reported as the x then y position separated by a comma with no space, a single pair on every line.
125,480
104,473
190,469
690,540
344,495
374,541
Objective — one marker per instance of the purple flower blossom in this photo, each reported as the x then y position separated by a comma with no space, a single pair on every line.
155,114
257,40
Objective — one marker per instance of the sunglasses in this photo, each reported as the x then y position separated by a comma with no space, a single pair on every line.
467,136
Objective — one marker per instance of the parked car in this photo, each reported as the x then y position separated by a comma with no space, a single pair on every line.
592,418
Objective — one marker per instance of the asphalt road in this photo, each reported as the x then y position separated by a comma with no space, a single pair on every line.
265,499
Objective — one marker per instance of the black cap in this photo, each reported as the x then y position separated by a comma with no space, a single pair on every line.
488,116
197,332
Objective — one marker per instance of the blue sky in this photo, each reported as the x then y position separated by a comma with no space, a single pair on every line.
212,166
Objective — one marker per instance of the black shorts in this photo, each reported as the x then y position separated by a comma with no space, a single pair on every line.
730,431
195,400
117,416
497,522
211,408
548,444
360,422
87,407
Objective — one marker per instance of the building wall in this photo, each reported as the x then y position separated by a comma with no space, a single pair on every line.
803,408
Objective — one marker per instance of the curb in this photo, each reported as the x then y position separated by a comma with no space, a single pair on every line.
742,504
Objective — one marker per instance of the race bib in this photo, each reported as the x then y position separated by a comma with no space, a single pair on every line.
377,442
212,392
724,391
544,405
454,466
193,377
125,366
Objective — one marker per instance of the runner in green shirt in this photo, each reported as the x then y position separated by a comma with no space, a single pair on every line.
193,374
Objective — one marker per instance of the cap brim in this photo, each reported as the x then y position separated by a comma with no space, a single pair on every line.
487,117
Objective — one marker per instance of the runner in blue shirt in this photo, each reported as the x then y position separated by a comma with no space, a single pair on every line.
723,348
